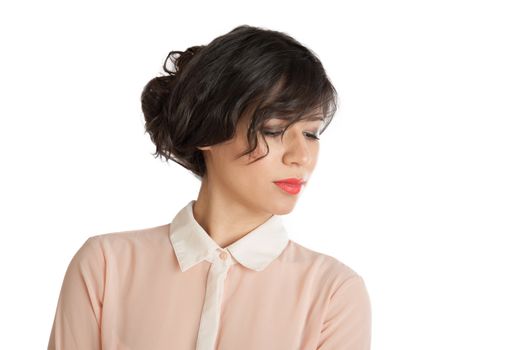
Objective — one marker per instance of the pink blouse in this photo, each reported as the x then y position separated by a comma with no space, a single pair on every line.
174,287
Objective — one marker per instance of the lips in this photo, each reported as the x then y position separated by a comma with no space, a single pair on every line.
290,185
292,180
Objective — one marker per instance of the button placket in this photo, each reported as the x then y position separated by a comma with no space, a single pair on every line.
210,316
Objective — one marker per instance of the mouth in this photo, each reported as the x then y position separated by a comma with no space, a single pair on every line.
292,181
291,186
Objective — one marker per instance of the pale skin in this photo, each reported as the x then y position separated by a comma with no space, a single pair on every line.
236,197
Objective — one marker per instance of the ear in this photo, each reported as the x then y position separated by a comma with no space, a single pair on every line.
205,148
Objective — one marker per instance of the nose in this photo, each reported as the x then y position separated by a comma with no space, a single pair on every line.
296,149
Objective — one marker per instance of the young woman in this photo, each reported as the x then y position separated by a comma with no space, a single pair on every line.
244,115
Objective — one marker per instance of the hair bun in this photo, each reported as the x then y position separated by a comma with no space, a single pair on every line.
154,96
181,60
156,92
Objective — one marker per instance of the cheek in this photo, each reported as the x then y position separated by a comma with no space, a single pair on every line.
315,150
249,166
260,150
264,168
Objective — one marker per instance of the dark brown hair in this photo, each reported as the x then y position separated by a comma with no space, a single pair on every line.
211,86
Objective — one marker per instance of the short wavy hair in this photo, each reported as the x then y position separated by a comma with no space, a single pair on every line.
249,69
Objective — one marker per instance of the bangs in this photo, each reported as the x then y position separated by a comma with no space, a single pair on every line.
303,92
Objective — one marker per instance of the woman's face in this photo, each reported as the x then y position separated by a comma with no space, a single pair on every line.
252,185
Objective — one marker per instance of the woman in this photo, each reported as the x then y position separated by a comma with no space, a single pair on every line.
243,114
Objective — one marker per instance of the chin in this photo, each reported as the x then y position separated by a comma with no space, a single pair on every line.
283,208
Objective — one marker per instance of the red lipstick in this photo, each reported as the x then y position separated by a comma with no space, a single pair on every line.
290,185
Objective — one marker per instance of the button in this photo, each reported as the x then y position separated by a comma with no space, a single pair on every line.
223,255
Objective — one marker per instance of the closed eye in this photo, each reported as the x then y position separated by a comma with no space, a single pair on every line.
277,133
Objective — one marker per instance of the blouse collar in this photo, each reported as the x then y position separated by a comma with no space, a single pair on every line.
256,250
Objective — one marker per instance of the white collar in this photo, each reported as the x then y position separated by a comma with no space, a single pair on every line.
256,250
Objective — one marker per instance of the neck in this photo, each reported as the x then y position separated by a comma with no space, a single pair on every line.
223,216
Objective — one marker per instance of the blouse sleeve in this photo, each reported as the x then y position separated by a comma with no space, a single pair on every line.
347,323
78,313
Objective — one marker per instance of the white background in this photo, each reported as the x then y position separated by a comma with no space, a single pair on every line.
420,184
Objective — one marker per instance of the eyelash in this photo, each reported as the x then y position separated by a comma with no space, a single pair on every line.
277,133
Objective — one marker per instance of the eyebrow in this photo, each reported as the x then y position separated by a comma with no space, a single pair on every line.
309,118
314,118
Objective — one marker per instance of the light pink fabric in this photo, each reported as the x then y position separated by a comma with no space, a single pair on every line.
173,287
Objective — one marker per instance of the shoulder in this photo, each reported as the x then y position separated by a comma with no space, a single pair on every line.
327,269
149,235
117,243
